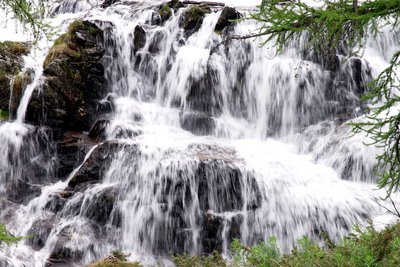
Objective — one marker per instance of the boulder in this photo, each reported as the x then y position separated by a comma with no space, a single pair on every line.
193,18
197,123
39,233
93,169
107,3
74,80
225,19
11,62
139,40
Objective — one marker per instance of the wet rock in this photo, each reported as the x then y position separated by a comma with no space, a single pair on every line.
211,232
39,233
22,192
21,81
55,203
93,169
197,123
63,255
203,96
227,14
11,62
100,208
98,130
107,3
74,81
193,18
71,150
139,38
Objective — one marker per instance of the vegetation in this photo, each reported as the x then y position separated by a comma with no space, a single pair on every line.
6,237
28,12
213,260
4,115
116,259
364,248
344,25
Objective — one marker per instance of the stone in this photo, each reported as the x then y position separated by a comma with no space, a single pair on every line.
193,18
11,62
197,123
74,80
93,169
39,233
139,40
227,14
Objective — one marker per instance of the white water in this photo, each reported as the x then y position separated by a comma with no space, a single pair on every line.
276,161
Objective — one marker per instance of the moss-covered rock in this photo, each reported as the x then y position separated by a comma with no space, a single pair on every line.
11,62
193,18
74,81
165,12
4,115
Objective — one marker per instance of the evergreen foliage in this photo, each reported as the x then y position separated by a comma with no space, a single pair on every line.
347,24
6,237
29,13
366,247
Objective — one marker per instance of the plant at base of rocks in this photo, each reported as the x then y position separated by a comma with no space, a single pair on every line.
6,237
116,259
264,254
213,260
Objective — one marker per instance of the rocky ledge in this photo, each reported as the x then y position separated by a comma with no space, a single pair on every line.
73,80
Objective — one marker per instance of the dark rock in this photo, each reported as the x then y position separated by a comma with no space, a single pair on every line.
63,255
22,192
98,130
71,150
197,123
39,233
74,82
227,14
203,96
210,232
164,13
93,169
193,18
139,38
100,208
107,3
55,203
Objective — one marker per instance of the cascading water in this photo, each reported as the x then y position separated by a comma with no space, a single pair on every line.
199,148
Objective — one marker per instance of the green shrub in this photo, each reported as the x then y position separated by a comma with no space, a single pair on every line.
213,260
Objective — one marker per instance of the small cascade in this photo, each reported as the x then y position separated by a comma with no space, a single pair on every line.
193,145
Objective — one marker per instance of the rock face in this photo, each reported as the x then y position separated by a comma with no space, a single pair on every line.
227,14
194,18
74,80
11,61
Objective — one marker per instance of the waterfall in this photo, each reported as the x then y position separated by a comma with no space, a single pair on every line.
200,144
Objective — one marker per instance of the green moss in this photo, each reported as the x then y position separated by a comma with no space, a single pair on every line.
16,48
213,260
165,12
66,44
4,115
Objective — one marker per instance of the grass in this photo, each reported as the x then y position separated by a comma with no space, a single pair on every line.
116,259
16,48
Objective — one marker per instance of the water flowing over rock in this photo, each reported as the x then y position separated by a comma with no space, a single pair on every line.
11,63
74,80
138,138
